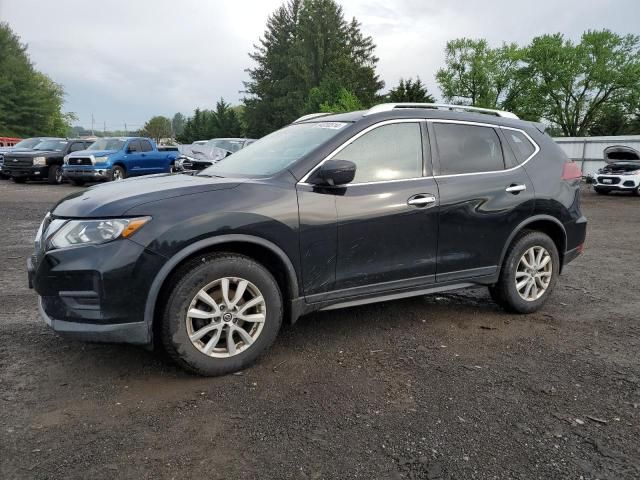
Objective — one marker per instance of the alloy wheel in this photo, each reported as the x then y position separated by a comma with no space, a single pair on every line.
226,317
533,274
58,175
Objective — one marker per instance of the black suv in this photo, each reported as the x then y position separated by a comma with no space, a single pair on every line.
332,211
43,162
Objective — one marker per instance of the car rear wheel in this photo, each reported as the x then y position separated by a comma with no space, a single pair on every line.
55,175
223,311
118,173
529,273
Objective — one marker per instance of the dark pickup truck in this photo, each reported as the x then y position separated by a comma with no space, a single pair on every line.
43,162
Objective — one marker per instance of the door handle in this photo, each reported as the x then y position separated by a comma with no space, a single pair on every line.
515,188
421,200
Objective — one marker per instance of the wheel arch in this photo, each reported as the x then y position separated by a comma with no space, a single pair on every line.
545,224
272,257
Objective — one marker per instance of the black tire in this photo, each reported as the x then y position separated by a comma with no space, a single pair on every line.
118,173
188,281
77,183
504,293
601,192
636,192
19,179
54,176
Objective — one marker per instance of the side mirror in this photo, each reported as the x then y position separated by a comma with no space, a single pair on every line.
334,173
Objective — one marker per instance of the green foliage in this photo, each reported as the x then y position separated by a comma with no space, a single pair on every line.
222,122
158,127
30,102
476,74
345,102
410,91
577,84
577,88
307,45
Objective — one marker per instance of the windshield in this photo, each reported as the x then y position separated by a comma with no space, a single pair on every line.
107,144
28,143
276,151
229,145
51,146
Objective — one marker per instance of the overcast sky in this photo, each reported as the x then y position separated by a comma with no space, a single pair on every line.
125,61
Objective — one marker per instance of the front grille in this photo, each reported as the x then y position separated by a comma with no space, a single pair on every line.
19,162
80,161
614,180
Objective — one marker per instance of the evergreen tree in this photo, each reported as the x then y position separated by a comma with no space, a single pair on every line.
307,43
177,124
207,124
410,91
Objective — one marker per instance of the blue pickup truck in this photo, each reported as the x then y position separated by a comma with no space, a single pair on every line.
116,159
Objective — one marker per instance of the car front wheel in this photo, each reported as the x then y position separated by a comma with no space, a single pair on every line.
529,273
223,311
118,173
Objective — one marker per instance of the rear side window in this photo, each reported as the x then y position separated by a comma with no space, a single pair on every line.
146,145
520,144
389,152
468,149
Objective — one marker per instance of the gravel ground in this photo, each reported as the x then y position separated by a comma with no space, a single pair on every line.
445,386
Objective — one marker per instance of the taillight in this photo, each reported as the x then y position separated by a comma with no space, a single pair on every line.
571,171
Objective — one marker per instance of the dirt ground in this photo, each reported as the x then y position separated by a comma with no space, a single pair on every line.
443,386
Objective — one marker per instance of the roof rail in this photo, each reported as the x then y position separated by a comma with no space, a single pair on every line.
387,107
311,115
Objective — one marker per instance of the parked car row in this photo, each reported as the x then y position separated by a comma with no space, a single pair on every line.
81,160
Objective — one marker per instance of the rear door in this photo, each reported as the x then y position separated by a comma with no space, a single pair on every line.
151,161
484,196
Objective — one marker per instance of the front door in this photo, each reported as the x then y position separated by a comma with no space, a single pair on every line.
387,218
484,196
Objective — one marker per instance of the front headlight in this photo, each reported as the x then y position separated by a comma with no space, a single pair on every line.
40,161
95,232
65,160
102,159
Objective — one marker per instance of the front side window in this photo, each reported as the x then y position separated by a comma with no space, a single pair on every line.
388,152
75,147
133,147
468,149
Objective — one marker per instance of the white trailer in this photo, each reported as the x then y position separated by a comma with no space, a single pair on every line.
591,152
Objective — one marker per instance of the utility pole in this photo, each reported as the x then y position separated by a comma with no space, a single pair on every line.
93,121
125,129
104,128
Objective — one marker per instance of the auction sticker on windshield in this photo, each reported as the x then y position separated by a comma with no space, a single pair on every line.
331,125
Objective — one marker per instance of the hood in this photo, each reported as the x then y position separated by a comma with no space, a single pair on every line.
116,198
34,153
95,153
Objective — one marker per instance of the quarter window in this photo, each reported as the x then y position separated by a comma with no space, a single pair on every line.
468,149
521,145
389,152
146,145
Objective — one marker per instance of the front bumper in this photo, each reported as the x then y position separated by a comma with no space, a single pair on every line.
136,333
98,292
609,183
26,172
76,172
